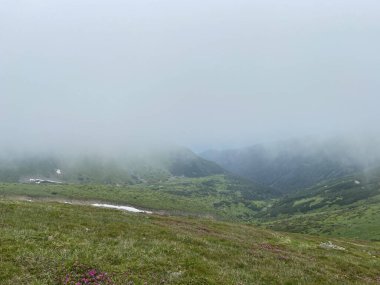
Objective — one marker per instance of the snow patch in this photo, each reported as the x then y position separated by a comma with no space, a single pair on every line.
39,181
125,208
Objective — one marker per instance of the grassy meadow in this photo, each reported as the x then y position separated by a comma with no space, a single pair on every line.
347,207
218,196
360,221
47,242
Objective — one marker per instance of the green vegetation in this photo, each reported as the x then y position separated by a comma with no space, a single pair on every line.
40,243
222,196
359,221
206,226
96,168
347,207
297,164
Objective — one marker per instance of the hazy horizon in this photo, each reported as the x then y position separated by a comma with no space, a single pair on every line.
203,74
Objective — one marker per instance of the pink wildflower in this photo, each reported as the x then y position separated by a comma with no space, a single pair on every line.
92,272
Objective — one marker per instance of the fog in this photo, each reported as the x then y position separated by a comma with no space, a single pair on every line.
204,74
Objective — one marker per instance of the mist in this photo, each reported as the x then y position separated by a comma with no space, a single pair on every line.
204,74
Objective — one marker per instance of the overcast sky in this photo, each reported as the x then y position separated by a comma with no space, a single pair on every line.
199,73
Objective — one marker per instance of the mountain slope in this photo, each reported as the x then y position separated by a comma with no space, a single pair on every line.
168,178
348,206
107,169
48,243
220,196
297,164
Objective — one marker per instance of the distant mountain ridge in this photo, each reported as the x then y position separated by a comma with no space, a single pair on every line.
151,165
297,164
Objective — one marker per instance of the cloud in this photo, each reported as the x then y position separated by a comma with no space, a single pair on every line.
198,73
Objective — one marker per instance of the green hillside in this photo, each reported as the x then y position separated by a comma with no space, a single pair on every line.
349,206
222,196
175,181
51,243
297,164
107,168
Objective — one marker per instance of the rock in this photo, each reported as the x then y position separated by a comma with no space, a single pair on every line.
330,245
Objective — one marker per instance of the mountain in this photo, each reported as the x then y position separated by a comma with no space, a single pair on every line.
121,168
349,206
299,163
171,174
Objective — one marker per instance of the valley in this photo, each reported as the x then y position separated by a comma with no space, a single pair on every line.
148,142
188,215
